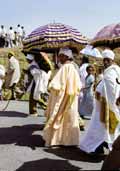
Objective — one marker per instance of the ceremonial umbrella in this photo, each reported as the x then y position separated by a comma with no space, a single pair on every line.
108,36
91,51
51,37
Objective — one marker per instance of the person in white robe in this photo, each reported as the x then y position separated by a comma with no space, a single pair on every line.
11,37
83,74
36,82
13,74
62,124
105,122
82,71
85,108
2,75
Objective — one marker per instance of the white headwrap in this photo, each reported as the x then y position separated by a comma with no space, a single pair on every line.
30,57
67,52
107,53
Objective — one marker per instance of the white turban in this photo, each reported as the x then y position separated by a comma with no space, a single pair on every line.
67,52
107,53
30,57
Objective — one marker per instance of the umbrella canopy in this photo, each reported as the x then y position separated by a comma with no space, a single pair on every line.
90,51
108,36
54,36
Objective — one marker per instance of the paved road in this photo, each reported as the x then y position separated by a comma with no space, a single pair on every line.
22,147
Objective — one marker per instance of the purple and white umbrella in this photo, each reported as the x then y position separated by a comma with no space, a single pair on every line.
54,36
90,51
108,36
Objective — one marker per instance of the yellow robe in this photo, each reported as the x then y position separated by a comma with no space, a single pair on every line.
62,126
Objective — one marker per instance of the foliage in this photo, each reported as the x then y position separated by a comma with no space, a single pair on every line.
23,64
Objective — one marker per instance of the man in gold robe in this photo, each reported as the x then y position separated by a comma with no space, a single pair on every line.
62,126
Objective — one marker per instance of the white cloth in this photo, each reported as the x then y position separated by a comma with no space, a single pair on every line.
30,57
41,79
2,71
41,82
107,53
19,31
3,32
11,34
96,132
14,65
83,73
2,74
67,52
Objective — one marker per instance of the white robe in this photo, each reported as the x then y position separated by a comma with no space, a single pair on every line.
2,74
41,82
97,132
83,73
41,79
14,65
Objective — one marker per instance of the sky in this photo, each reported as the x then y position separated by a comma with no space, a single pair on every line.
88,16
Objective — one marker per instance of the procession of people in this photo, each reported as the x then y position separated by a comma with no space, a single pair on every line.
12,37
75,93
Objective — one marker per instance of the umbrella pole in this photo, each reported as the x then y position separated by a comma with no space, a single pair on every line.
56,59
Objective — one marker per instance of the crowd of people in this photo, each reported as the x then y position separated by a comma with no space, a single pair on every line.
12,37
74,94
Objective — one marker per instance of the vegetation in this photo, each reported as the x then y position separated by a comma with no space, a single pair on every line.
23,64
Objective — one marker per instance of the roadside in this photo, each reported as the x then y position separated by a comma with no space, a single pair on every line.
22,147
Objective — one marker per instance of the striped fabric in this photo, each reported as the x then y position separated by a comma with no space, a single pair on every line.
54,35
108,35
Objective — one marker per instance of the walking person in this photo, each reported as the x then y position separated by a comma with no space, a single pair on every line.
19,34
82,70
62,126
36,82
105,122
2,31
13,74
2,75
83,73
11,37
87,102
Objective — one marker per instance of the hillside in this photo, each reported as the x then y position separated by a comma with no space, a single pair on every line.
18,54
23,63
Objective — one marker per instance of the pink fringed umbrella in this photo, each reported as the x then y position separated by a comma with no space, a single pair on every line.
108,36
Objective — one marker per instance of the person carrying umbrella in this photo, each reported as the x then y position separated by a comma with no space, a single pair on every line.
62,126
35,83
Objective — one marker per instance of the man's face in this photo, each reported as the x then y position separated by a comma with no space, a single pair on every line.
62,58
107,62
90,70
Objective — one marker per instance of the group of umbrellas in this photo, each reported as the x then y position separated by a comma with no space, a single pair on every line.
52,37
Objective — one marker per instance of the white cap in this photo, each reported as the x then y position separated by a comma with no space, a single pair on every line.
107,53
67,52
30,57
